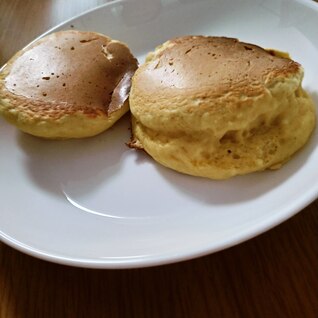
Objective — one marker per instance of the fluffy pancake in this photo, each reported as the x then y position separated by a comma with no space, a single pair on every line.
216,107
69,84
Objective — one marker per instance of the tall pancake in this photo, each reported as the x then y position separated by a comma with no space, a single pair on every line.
69,84
217,107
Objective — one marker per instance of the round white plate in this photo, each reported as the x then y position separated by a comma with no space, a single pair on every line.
96,203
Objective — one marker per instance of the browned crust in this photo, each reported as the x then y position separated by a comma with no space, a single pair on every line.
134,144
87,85
207,66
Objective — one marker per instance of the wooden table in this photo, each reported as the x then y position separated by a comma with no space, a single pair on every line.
273,275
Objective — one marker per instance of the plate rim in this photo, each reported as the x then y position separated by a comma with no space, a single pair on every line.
169,258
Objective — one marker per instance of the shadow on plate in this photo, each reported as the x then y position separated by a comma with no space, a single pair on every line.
238,189
53,163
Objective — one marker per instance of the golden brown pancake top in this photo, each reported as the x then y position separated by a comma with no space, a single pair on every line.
71,71
218,63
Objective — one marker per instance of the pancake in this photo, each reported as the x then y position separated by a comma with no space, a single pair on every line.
69,84
216,107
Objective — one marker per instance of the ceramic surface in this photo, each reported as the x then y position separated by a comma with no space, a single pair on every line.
96,203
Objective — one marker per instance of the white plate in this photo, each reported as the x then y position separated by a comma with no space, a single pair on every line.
96,203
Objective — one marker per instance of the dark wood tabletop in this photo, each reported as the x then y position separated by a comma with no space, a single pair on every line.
272,275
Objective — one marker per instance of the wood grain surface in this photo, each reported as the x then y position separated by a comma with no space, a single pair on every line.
273,275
